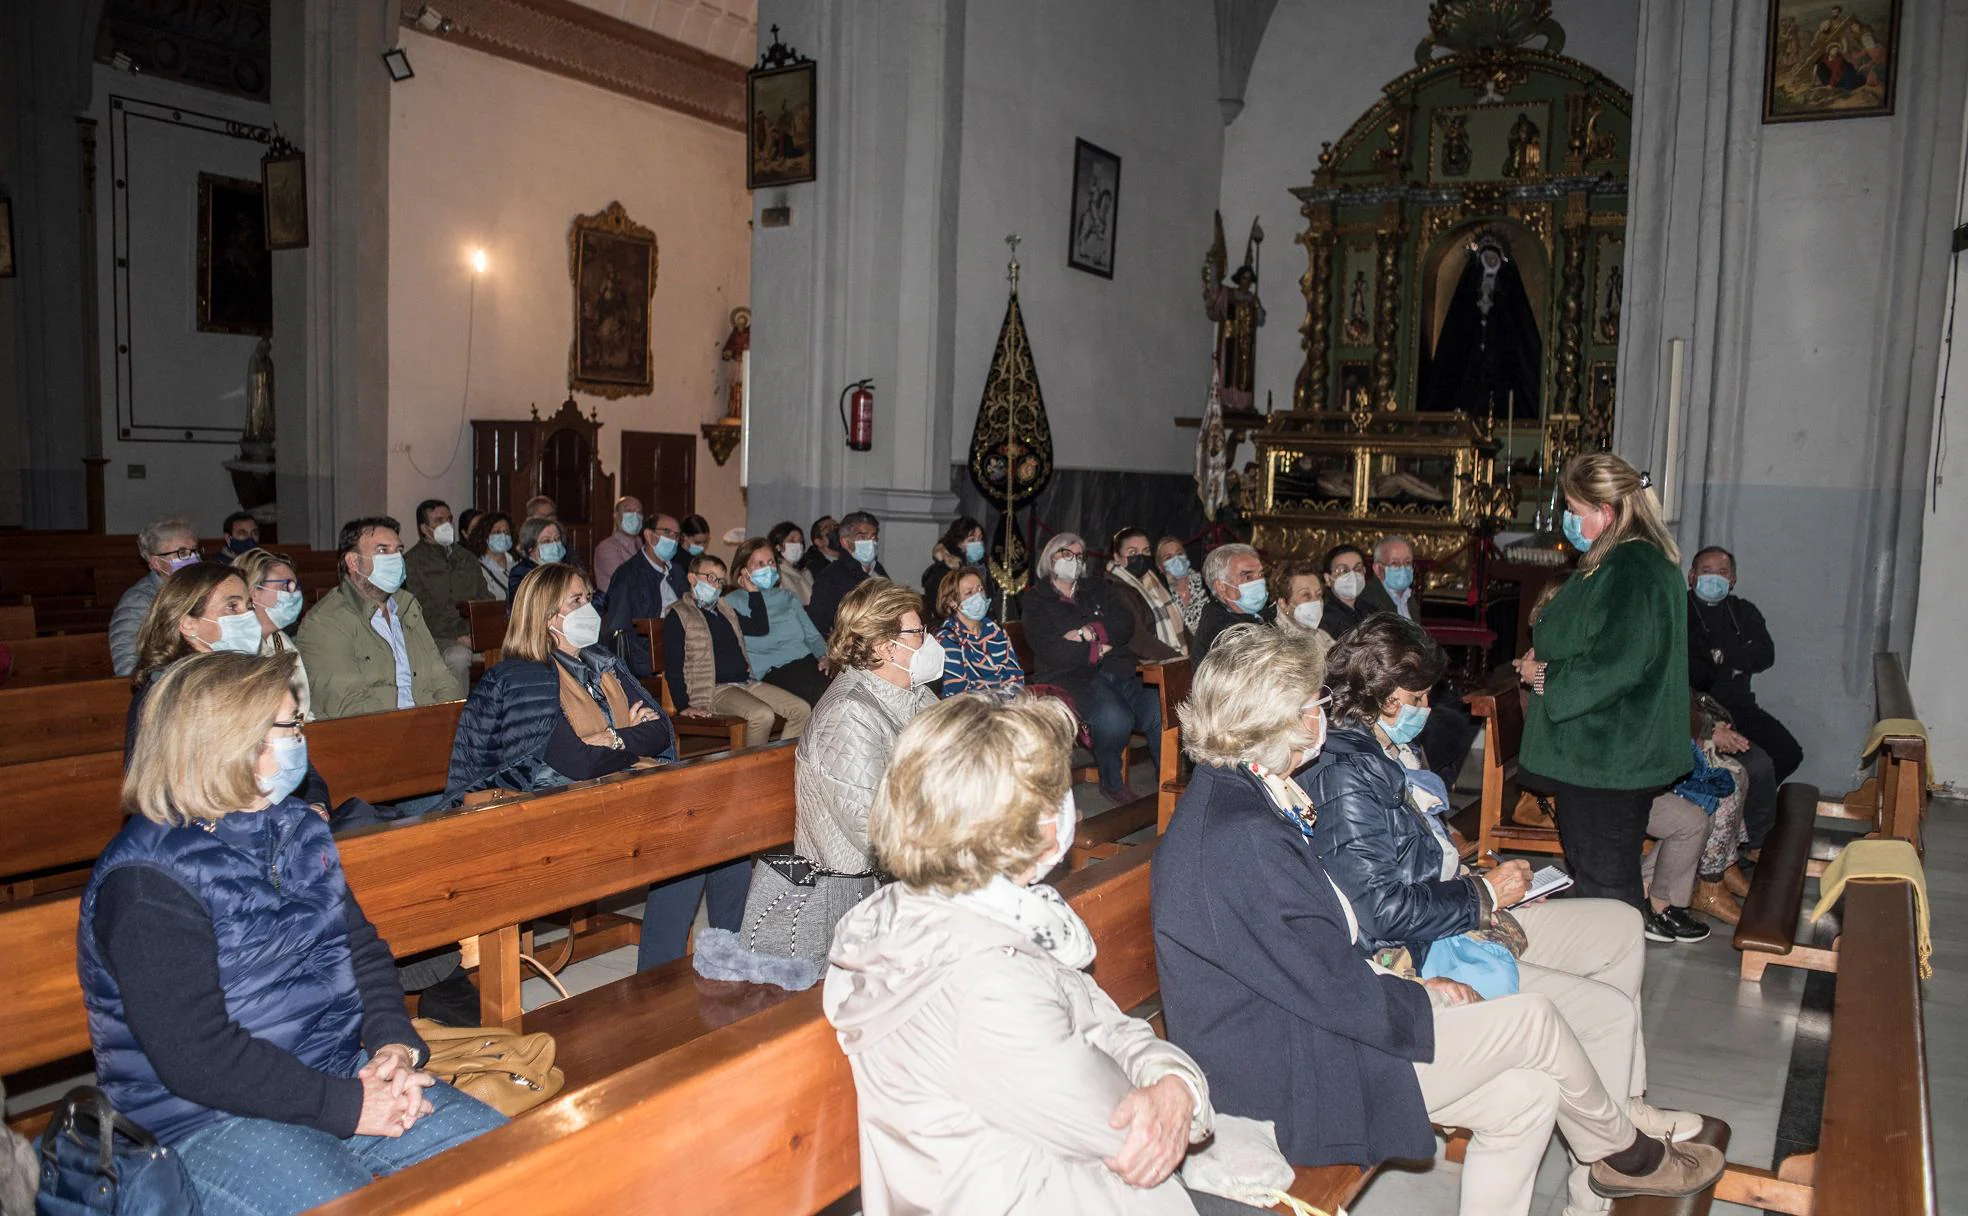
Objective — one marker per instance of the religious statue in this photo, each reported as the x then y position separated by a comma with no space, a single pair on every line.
259,394
736,347
1359,317
1455,146
1609,313
1488,358
1525,157
1237,312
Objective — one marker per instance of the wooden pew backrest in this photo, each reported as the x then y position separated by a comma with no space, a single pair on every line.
64,720
16,622
66,659
385,756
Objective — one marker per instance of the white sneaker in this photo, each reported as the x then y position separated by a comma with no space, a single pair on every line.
1675,1125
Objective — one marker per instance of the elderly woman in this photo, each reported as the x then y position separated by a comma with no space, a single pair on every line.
977,653
241,1007
1079,632
1266,982
992,1074
1184,585
1300,593
277,596
541,543
884,663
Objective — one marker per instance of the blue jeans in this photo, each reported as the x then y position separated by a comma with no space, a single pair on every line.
672,906
256,1167
1113,709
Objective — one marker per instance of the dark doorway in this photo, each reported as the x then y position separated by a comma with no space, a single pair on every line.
660,468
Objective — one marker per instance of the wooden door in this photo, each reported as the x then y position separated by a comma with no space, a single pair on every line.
660,468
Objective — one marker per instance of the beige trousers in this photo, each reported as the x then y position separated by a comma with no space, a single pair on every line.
757,704
1565,1051
1670,869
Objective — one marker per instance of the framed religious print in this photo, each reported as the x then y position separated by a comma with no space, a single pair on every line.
1096,198
283,177
779,96
1829,60
613,262
235,271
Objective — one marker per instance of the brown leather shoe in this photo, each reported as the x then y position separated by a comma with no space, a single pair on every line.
1714,900
1685,1169
1737,882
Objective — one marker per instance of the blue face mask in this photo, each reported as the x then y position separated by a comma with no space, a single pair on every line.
1575,532
239,633
286,609
1407,724
291,755
1177,567
973,551
765,578
705,593
1252,596
632,522
693,548
550,551
1399,578
1711,588
386,572
666,548
499,542
976,606
865,550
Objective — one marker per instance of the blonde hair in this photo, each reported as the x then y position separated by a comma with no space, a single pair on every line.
160,642
1601,479
253,565
1245,702
200,736
868,616
538,598
968,789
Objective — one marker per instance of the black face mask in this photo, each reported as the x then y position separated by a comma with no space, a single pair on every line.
243,544
1140,564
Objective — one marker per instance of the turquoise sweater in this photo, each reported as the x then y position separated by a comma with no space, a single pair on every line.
1614,711
791,635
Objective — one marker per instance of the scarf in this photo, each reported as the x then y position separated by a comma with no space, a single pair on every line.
1038,912
1167,613
593,701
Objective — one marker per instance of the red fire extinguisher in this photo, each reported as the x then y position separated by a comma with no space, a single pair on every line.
857,411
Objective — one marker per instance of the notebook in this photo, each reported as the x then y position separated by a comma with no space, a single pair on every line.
1548,880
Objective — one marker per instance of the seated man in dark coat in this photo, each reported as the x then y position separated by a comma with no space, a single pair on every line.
644,587
1728,645
860,542
1234,575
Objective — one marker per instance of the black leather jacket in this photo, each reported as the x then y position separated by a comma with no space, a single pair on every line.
1381,855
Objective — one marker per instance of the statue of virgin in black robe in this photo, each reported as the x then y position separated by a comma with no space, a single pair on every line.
1489,349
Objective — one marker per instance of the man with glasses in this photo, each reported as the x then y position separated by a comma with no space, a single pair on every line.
365,644
1394,571
705,662
167,545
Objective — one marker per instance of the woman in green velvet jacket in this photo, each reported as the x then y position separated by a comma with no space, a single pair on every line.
1608,671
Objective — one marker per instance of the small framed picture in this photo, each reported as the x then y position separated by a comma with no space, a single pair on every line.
1830,60
283,184
7,268
779,107
1096,200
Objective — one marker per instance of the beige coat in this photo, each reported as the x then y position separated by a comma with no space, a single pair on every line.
986,1071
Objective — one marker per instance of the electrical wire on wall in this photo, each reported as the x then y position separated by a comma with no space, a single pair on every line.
464,398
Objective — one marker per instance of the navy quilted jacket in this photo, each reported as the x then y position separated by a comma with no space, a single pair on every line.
272,883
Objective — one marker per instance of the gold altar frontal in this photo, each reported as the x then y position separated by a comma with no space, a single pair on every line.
1326,479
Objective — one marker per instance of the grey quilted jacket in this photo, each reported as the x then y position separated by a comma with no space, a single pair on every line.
840,762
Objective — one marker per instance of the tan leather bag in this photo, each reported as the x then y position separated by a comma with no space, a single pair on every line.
506,1070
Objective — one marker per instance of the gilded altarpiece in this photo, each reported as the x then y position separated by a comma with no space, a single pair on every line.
1463,285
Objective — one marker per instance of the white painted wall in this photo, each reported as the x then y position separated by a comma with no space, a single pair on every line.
1118,360
1321,65
486,153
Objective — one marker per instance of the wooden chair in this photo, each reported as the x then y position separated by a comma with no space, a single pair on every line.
1500,707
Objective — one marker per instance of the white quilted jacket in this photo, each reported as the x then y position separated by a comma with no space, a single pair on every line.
840,762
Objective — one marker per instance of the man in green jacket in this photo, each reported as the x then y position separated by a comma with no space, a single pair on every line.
441,574
365,644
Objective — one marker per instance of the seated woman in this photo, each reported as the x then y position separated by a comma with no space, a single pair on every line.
1300,593
491,537
1380,837
992,1074
1079,633
977,653
1699,824
1265,979
787,655
1159,631
540,543
962,544
275,590
241,1007
789,546
696,532
884,662
1185,586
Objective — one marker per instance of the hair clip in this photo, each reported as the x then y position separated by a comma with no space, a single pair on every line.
1646,480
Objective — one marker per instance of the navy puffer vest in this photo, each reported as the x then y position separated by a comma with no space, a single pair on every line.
272,883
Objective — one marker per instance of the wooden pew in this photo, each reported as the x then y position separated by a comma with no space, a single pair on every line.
488,619
1894,798
1767,931
66,659
1500,708
17,622
63,719
1876,1142
1170,680
755,1116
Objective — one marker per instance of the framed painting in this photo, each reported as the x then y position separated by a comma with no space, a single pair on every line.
779,97
235,271
1096,201
283,177
613,262
1829,60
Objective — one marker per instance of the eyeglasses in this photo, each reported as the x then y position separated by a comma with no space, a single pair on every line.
295,725
174,554
711,580
919,632
278,584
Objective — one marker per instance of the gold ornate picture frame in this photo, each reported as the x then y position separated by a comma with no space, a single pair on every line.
235,271
613,262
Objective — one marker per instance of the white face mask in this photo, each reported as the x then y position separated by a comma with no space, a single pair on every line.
1066,569
581,627
925,666
792,551
1318,744
1310,613
445,534
1063,823
1350,584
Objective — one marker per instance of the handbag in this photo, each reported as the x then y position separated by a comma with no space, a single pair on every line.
793,905
508,1071
86,1169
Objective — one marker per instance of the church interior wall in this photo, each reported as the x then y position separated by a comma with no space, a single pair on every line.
489,154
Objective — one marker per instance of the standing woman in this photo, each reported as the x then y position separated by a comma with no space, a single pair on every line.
789,546
1607,727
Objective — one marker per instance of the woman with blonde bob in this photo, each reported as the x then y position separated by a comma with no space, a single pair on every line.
241,1007
992,1074
1263,981
1607,726
884,662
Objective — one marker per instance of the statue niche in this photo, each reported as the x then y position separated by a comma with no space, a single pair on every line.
1483,290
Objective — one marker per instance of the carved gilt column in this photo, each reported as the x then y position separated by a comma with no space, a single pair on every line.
1387,321
1573,238
1315,336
